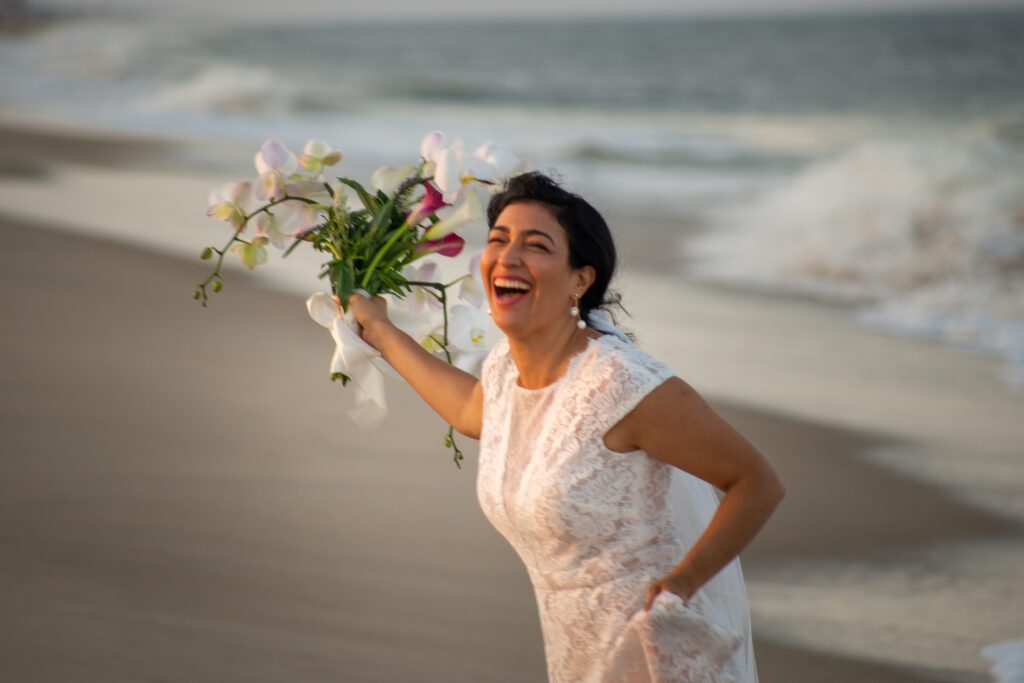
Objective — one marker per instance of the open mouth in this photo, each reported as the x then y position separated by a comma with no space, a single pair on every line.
508,290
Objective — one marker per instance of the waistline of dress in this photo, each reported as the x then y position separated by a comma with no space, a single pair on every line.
570,579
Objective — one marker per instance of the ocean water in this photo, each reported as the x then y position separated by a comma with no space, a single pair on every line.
873,160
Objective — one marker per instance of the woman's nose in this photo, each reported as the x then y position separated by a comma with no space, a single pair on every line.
511,254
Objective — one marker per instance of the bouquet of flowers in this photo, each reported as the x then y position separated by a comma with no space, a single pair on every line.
372,239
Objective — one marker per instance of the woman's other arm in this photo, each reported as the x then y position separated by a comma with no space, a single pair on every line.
455,395
676,425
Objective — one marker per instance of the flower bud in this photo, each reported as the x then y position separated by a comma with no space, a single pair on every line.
217,285
197,295
207,254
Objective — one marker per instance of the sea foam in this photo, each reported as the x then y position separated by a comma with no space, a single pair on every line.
925,237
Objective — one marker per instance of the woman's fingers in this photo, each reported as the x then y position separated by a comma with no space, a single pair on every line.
656,587
368,311
652,592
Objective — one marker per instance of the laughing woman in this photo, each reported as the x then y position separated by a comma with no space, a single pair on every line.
596,462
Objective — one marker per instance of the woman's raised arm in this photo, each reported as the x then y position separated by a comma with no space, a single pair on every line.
455,395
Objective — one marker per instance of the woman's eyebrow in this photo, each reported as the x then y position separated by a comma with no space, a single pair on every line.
541,233
528,232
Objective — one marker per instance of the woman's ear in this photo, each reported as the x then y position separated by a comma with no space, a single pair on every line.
585,277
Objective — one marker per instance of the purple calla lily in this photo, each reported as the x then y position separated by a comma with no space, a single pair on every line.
432,201
449,245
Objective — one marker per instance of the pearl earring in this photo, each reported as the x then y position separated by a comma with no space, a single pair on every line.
575,312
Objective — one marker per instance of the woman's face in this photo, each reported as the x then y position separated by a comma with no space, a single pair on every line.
525,268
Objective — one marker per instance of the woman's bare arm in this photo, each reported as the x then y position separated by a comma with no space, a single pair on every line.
455,395
675,425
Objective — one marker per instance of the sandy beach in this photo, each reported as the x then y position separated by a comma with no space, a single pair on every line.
185,499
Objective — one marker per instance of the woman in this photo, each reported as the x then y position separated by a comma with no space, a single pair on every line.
596,463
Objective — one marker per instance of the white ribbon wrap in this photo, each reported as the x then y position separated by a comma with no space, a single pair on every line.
601,321
355,358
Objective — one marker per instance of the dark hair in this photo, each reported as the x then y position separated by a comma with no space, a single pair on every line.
590,240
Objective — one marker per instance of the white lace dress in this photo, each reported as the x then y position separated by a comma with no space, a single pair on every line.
594,527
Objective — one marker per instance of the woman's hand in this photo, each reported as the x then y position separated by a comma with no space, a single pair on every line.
666,583
455,395
372,315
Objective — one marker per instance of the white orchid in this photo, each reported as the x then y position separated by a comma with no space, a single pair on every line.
432,145
316,155
268,226
428,334
253,253
420,298
229,203
295,216
275,164
472,334
310,188
500,159
453,169
387,179
448,172
471,289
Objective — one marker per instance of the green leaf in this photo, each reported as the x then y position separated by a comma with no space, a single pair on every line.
383,219
342,280
291,247
368,200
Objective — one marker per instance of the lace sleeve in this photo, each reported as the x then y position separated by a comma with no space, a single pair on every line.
625,376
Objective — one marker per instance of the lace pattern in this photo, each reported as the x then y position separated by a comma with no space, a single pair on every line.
594,526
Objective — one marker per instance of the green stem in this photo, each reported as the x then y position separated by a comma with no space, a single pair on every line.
222,252
458,280
443,296
380,253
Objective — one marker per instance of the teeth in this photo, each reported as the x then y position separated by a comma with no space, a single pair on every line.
511,284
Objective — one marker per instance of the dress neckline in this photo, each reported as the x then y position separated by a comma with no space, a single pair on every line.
573,362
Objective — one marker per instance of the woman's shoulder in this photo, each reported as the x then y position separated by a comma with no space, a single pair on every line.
624,359
615,377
